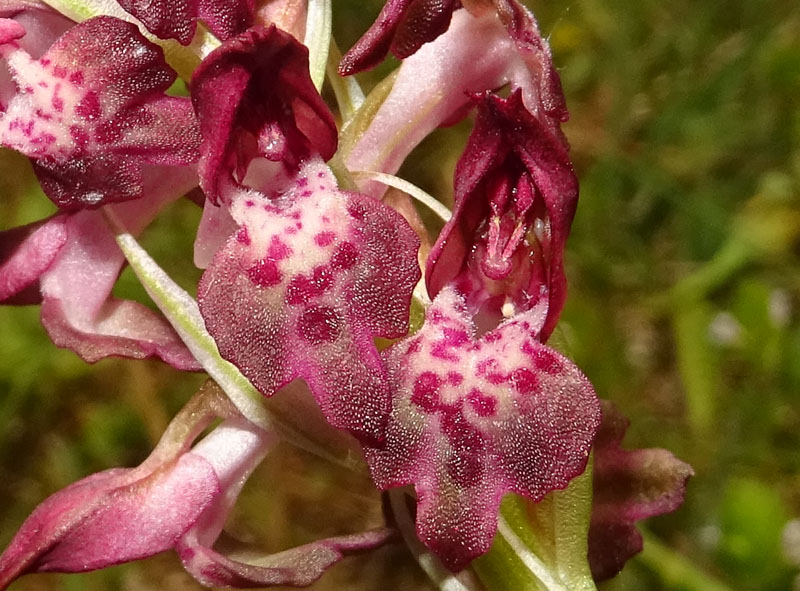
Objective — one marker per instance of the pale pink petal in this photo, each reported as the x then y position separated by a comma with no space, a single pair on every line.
628,486
26,253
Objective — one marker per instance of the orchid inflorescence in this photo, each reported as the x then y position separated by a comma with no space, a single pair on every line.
311,275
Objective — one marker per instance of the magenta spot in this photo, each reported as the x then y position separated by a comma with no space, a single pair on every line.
322,279
291,230
243,237
325,238
493,337
496,378
27,128
319,324
357,211
436,317
525,381
455,337
302,288
79,136
345,256
58,104
465,466
298,225
425,392
306,193
547,362
295,215
326,219
302,181
414,347
76,78
321,174
249,203
441,350
278,249
59,71
265,273
45,61
89,107
43,84
42,115
484,406
484,367
454,378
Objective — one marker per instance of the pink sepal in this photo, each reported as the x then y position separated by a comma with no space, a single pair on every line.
25,254
628,486
515,197
256,102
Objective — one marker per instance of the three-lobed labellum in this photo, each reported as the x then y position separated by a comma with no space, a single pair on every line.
91,121
304,286
473,418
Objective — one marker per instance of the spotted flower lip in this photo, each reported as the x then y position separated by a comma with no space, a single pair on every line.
311,277
177,19
91,123
256,102
474,418
515,197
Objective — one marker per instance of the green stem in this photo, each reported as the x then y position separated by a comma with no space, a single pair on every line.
675,570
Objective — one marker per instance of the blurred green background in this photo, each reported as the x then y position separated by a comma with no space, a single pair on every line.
683,307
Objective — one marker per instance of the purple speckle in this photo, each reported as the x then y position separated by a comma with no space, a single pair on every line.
278,250
441,350
454,378
425,392
345,256
525,381
265,273
493,337
547,362
496,378
76,78
357,212
249,203
484,406
319,324
243,237
89,106
325,238
455,337
58,104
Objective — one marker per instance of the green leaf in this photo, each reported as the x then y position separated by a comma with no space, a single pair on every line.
319,21
542,546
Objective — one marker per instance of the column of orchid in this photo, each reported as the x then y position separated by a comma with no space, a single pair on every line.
305,266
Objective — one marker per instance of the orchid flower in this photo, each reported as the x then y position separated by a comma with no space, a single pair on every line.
309,285
178,498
